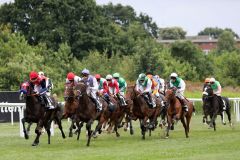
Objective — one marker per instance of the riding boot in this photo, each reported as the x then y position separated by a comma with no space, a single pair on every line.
98,104
122,100
221,102
150,100
185,106
48,102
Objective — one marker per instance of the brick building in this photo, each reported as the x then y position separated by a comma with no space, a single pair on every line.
205,43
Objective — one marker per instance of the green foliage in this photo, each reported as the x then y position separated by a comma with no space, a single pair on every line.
226,42
216,32
172,33
187,52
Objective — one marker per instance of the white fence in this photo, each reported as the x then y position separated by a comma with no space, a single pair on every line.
236,105
19,107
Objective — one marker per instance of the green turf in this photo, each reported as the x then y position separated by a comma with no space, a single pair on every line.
203,143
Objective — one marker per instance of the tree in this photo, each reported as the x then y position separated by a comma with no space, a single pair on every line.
215,32
188,52
172,33
226,42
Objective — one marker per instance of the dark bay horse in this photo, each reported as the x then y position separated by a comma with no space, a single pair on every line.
212,108
175,112
35,112
70,106
141,110
87,112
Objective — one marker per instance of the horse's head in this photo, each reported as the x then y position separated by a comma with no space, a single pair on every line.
81,89
69,92
208,93
132,92
170,94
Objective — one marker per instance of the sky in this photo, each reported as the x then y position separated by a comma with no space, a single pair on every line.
192,15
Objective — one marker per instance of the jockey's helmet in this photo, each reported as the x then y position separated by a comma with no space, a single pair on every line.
97,76
109,77
33,75
141,77
207,80
116,75
70,76
212,80
173,75
85,71
41,73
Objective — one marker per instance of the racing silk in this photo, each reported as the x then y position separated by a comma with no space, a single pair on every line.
39,85
161,84
217,89
76,80
154,87
144,87
49,84
111,87
179,84
122,84
100,83
92,84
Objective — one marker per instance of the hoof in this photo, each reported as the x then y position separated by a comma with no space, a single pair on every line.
166,137
131,132
26,136
70,135
34,144
125,129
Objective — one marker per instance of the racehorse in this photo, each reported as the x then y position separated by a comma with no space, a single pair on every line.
87,112
175,111
212,107
70,106
142,111
35,112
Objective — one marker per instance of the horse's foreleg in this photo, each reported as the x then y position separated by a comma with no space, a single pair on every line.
185,126
38,132
24,129
59,122
79,127
47,127
88,127
228,112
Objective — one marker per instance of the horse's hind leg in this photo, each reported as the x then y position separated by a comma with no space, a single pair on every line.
222,118
228,112
143,128
24,129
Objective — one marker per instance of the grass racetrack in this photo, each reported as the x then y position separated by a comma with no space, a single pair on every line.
203,143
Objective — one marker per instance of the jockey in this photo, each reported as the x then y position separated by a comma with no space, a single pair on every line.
144,86
180,85
101,81
122,88
112,88
217,90
39,85
161,84
92,89
206,83
155,85
49,83
122,83
72,78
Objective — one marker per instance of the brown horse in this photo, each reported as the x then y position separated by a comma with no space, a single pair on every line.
140,110
175,112
35,112
117,115
70,106
87,112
